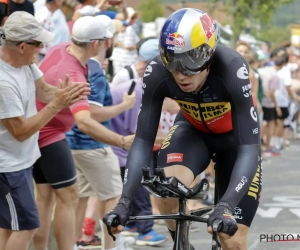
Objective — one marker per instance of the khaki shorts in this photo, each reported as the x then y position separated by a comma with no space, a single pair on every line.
98,173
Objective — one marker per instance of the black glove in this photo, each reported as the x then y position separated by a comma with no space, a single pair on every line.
223,211
122,210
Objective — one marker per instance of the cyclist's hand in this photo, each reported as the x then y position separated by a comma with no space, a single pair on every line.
68,93
223,211
122,210
129,100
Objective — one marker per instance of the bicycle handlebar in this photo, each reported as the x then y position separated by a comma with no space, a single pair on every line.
216,227
170,187
112,221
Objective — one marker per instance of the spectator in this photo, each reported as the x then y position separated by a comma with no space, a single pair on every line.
21,5
283,96
7,7
146,52
20,82
38,4
97,166
104,5
271,109
53,19
125,53
55,172
246,51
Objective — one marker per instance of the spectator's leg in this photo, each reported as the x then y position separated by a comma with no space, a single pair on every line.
45,200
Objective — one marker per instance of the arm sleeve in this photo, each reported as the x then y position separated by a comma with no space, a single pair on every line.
36,72
75,76
155,89
98,85
10,102
246,132
287,78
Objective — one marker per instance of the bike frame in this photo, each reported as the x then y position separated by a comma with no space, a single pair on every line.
171,187
181,240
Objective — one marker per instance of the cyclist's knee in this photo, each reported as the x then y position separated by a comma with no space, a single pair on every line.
167,206
182,173
238,241
67,195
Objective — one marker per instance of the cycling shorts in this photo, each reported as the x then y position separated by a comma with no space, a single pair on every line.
195,149
56,166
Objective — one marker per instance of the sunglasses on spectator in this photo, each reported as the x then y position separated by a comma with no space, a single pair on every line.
100,40
35,43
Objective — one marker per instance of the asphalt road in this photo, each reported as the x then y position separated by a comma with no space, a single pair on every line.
279,211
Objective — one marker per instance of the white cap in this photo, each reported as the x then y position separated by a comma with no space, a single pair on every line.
107,22
88,10
88,29
21,26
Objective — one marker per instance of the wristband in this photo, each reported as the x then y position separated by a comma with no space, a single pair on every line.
123,142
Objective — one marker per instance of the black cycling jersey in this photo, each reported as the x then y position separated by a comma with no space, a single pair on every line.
223,104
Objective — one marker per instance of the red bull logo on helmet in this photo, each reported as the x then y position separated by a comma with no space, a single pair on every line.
175,39
208,26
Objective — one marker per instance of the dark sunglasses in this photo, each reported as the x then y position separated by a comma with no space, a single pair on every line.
100,40
35,43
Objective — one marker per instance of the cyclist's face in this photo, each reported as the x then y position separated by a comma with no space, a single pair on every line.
190,83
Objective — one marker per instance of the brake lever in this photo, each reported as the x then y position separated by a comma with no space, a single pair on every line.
112,220
216,227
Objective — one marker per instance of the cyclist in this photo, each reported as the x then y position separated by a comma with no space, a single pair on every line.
211,85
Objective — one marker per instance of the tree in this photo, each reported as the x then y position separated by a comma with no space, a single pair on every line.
250,13
274,34
287,14
150,10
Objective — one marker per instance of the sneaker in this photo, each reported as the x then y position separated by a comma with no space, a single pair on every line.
271,152
94,243
130,231
127,240
150,239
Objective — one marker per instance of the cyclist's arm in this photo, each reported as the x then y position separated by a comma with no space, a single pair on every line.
246,132
140,152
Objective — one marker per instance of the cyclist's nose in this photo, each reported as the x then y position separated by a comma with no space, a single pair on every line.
179,75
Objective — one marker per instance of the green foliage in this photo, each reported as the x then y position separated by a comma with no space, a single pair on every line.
287,14
274,34
150,10
250,13
113,8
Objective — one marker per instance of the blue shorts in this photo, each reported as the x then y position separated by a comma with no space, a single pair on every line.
17,203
